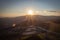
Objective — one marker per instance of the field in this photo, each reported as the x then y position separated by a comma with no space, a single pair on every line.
35,27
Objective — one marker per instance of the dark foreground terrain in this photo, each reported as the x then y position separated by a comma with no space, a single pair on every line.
30,28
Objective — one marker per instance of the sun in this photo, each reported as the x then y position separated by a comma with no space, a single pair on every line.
30,12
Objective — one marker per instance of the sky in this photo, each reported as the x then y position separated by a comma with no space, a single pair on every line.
12,8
